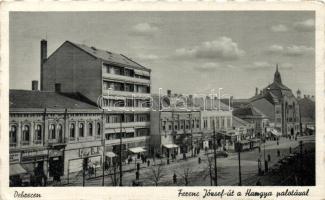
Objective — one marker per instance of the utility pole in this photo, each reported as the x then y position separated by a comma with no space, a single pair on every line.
191,134
215,155
121,182
103,142
239,168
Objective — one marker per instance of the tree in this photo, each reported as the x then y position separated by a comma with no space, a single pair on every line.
157,173
185,175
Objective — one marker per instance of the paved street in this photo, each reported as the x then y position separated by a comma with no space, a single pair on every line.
198,174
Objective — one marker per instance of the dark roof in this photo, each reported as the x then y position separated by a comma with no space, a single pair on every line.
45,99
307,109
248,111
109,56
236,121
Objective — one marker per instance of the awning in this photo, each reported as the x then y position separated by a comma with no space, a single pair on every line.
275,132
110,154
137,150
170,146
16,169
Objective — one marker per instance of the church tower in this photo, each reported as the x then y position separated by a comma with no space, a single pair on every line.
277,76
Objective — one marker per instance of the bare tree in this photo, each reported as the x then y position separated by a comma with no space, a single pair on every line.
185,175
157,173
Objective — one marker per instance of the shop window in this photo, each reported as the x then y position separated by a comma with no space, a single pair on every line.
38,132
90,129
72,131
13,135
26,135
81,130
52,131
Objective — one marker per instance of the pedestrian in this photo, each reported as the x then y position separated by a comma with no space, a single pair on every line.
269,157
199,159
290,150
278,151
174,178
148,163
137,174
258,183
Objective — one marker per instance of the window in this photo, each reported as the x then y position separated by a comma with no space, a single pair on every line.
90,129
163,125
72,130
38,132
52,131
81,130
176,127
60,132
98,129
26,133
170,127
13,134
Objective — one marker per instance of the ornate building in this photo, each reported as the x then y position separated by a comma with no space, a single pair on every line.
280,105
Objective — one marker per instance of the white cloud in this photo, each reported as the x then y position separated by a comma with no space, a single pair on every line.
305,26
145,29
147,56
275,48
262,65
222,48
208,67
279,28
298,50
293,50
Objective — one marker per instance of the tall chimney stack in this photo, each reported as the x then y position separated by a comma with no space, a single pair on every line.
43,59
34,85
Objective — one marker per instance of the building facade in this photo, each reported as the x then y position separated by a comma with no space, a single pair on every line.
279,104
48,133
113,81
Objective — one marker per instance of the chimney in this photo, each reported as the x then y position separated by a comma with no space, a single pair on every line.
256,91
57,87
169,93
43,59
34,85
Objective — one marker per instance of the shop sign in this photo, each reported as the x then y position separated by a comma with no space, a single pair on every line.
14,157
90,151
33,153
55,153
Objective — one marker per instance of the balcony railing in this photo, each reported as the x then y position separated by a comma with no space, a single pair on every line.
127,124
24,143
127,140
125,78
125,94
116,109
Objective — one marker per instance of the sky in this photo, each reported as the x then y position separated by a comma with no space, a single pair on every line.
188,52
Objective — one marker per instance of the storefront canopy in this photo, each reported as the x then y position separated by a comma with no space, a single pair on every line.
16,169
170,146
137,150
110,154
275,132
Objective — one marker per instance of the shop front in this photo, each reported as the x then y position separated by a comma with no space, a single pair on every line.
35,162
17,174
56,163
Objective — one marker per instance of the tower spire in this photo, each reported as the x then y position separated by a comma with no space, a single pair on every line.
277,76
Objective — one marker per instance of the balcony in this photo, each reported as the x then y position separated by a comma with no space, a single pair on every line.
57,142
125,94
38,142
127,125
125,78
13,145
127,140
24,143
133,109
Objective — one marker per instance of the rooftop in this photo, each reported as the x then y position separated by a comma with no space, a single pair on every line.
45,99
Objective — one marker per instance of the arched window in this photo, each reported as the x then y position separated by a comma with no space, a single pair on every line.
26,134
81,130
52,131
90,129
98,129
38,132
13,135
72,130
60,133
